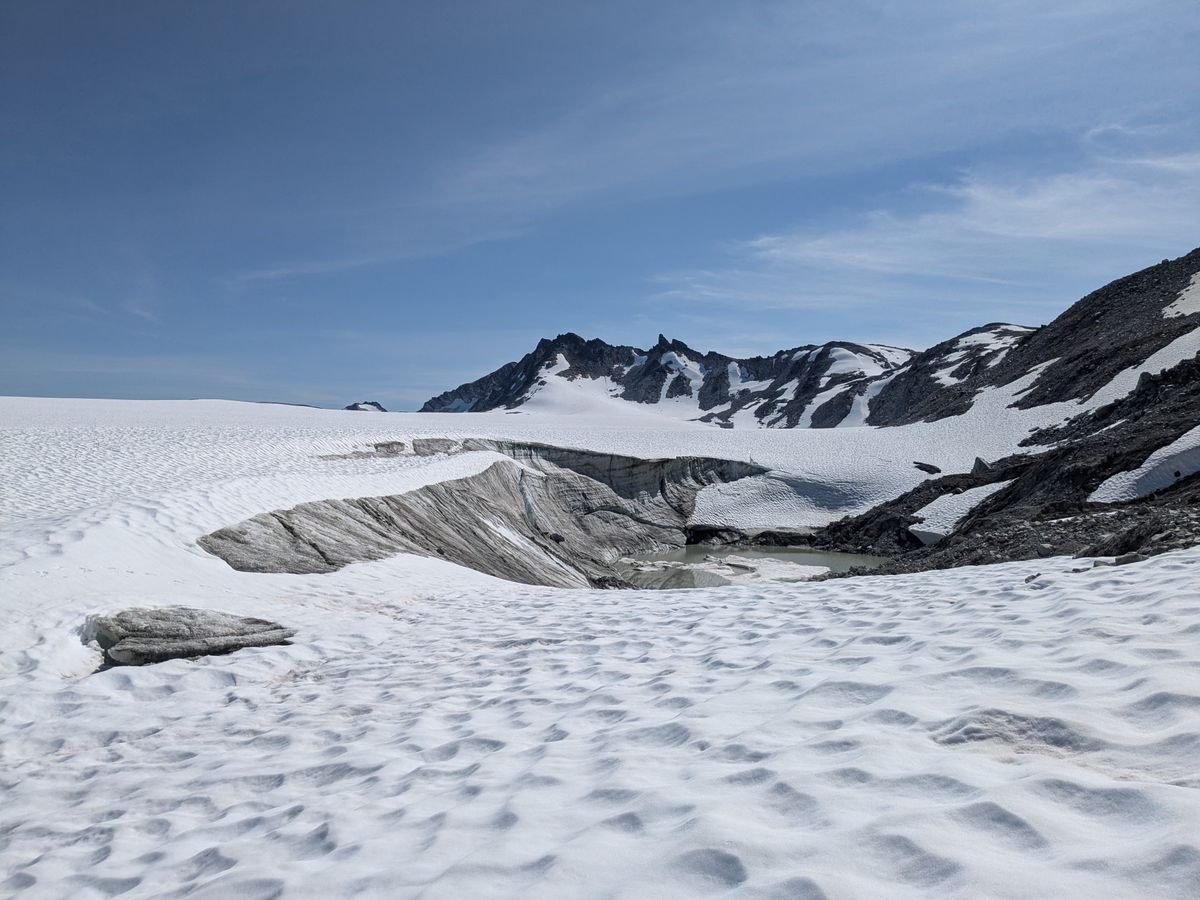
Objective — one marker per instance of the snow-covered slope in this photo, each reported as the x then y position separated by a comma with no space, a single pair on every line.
805,386
1164,467
1024,730
829,472
937,519
1095,351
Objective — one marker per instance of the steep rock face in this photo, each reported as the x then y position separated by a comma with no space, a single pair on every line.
815,387
552,516
1044,508
1107,332
942,377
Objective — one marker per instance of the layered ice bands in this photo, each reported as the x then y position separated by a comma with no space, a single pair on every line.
552,516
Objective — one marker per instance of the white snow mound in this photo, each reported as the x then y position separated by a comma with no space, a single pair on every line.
1188,301
940,517
1162,468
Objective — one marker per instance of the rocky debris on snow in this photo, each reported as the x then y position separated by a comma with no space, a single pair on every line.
138,636
380,450
432,446
713,571
1130,532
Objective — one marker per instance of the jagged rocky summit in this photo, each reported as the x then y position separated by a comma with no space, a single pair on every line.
826,386
843,384
818,386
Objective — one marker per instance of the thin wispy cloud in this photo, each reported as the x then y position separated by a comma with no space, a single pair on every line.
1023,242
740,98
141,310
817,90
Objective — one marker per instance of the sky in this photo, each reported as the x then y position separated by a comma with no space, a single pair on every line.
323,202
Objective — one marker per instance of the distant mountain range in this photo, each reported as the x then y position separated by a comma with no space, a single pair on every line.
842,384
1110,465
826,386
365,406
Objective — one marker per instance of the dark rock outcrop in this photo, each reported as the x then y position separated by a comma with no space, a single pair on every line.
136,637
1108,331
365,406
380,450
1045,511
981,466
939,381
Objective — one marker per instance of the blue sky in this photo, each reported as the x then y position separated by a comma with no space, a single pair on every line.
327,202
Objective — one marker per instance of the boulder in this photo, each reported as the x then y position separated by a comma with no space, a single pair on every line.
981,467
136,637
928,468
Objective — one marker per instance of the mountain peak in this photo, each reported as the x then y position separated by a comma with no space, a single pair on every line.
843,383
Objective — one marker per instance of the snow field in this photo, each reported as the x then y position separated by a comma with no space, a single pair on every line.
1162,468
961,733
1188,301
435,732
940,517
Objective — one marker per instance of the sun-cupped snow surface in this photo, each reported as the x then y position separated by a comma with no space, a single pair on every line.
65,456
844,371
557,396
436,732
1162,468
1184,347
897,356
998,341
1188,301
941,516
